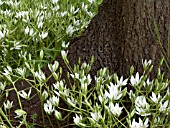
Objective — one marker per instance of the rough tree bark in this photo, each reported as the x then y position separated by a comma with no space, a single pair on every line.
120,35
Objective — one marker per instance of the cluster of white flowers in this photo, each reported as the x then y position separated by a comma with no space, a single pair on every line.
100,101
40,25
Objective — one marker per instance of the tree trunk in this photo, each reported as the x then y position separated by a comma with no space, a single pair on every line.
122,34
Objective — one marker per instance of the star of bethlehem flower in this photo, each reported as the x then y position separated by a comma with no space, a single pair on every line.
64,54
29,31
121,82
115,109
70,30
65,45
24,95
77,120
72,101
55,100
154,98
91,1
142,107
21,71
139,124
59,85
43,35
114,92
164,106
96,115
63,13
8,104
7,71
40,75
135,80
53,67
72,10
48,107
103,99
146,63
54,1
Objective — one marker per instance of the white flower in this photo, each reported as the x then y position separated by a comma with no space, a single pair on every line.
48,107
8,104
24,95
2,35
70,30
72,10
95,116
163,107
43,35
84,7
8,71
115,109
154,98
2,126
21,71
72,101
63,13
54,100
29,31
135,80
142,107
114,92
64,45
54,1
59,85
77,120
16,46
122,82
135,124
146,63
53,67
40,24
64,54
76,22
91,1
40,75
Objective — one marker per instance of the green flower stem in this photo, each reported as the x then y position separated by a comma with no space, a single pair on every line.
6,118
42,105
51,122
19,100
